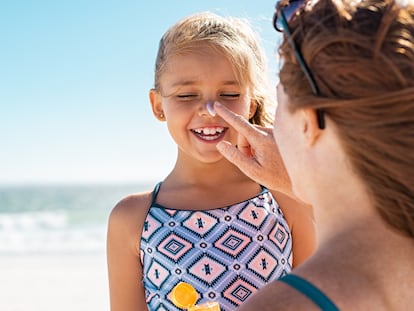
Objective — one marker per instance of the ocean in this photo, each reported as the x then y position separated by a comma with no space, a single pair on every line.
52,245
58,219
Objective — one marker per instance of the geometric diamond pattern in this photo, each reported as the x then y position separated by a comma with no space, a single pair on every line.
150,226
239,291
253,215
263,264
232,242
207,269
279,236
157,274
200,223
174,247
225,253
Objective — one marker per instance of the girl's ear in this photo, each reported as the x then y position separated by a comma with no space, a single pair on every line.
310,126
253,108
156,104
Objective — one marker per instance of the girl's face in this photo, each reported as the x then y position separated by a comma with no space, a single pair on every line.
188,83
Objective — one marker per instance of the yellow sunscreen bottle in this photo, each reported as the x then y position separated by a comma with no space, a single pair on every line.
184,296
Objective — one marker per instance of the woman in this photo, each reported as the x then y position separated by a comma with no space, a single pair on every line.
344,128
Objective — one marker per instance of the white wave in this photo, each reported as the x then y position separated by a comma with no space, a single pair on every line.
32,220
47,232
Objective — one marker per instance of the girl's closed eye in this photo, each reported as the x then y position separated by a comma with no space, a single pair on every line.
230,96
187,96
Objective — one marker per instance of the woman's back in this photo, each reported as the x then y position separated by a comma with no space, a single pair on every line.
368,268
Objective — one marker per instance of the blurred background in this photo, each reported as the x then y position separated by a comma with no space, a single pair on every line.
77,134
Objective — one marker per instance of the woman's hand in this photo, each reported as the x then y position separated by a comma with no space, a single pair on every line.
256,153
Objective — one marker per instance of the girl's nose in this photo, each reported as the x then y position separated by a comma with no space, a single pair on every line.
210,108
207,109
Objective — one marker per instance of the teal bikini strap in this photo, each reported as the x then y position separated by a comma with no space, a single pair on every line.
309,290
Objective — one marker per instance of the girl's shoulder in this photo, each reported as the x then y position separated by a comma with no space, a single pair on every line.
133,203
292,208
299,217
127,217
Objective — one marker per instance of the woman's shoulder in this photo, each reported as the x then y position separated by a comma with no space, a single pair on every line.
278,296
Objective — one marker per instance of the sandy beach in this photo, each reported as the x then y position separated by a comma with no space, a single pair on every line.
52,246
53,282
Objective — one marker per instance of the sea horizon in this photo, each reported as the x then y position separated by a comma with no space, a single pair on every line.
57,218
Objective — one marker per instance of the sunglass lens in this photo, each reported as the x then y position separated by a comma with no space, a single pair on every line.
288,11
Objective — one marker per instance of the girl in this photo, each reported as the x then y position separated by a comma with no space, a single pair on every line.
206,224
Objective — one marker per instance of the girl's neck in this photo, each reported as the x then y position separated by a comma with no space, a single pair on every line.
205,186
206,174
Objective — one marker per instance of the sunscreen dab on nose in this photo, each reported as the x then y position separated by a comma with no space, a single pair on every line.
210,108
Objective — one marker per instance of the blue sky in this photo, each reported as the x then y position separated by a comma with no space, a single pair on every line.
74,81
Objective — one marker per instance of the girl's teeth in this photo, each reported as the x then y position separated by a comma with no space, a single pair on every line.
209,130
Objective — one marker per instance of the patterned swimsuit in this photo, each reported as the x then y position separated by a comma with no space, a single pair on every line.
225,253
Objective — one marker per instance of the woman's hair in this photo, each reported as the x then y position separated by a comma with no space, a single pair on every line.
361,54
235,38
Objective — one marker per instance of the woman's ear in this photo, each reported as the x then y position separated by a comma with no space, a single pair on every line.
156,104
310,126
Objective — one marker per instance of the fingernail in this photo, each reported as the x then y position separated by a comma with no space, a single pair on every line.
220,146
210,108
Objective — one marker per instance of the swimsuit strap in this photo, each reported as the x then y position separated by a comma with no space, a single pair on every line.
155,192
309,290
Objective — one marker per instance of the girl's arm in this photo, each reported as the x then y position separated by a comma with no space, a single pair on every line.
124,267
300,219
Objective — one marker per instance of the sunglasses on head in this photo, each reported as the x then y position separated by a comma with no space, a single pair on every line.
284,12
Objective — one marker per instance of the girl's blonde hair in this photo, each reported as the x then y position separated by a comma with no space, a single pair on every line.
235,38
361,54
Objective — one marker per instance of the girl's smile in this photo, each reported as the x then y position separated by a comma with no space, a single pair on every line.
210,134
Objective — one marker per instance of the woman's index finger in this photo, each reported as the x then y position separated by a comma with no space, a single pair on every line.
236,121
